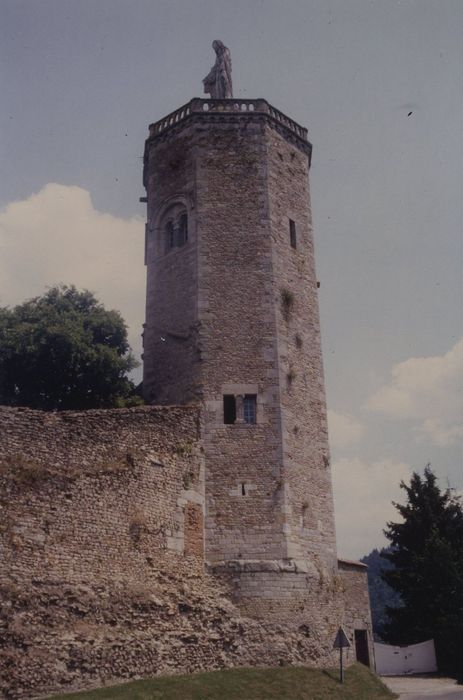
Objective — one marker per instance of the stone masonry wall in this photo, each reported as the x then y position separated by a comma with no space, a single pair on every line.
308,500
244,517
123,474
228,345
91,504
235,311
293,593
268,490
101,549
269,521
357,613
170,334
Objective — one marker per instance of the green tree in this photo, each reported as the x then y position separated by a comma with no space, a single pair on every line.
427,559
64,350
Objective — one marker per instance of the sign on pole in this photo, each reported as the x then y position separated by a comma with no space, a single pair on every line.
340,643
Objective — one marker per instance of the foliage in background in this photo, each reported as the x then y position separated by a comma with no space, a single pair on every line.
381,594
64,350
427,559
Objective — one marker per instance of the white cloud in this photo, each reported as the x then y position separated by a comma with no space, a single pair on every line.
56,235
363,495
344,430
429,392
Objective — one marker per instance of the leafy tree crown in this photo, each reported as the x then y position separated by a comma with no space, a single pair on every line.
64,350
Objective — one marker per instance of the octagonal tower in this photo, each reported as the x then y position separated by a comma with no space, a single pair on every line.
232,322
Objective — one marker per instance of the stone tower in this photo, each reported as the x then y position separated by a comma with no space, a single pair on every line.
232,322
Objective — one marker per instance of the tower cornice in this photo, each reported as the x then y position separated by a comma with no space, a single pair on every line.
241,111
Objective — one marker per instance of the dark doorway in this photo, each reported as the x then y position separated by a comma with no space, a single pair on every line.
361,647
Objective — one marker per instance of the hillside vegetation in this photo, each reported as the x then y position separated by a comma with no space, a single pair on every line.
381,594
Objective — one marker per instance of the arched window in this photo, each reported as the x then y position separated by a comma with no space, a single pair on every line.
183,228
174,228
170,235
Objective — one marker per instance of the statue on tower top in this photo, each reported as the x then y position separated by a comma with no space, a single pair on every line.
218,82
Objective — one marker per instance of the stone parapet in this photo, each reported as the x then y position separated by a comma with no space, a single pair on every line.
213,111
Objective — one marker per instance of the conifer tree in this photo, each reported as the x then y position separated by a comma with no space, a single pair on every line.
427,557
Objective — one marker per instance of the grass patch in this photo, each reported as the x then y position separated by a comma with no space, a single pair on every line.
287,683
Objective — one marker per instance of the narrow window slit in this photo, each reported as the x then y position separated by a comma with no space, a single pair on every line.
292,234
183,229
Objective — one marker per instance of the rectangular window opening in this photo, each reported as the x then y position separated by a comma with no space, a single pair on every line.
292,234
229,409
243,489
250,408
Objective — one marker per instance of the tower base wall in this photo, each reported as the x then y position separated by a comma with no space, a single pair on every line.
306,599
103,575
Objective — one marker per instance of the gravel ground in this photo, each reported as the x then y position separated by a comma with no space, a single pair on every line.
424,687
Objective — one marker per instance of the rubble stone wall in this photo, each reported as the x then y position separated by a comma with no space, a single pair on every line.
91,503
101,547
80,492
102,573
357,615
305,598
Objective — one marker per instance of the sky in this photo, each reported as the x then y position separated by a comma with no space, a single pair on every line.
378,83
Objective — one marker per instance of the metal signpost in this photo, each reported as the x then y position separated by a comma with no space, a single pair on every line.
340,643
